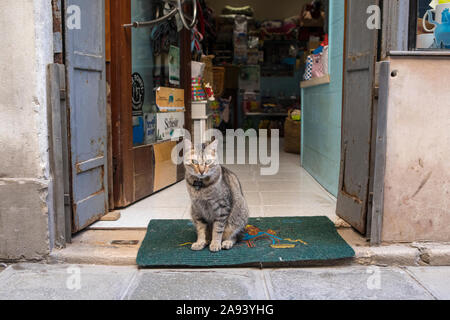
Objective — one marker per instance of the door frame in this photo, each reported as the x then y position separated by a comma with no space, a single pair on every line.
122,134
393,36
121,90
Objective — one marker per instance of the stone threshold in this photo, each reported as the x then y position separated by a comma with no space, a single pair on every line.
120,247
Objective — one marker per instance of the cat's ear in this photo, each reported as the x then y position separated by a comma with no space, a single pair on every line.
212,147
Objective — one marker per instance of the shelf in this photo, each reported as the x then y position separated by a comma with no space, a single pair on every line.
315,82
257,114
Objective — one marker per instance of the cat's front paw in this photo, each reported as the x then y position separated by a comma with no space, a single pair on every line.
215,246
199,245
227,244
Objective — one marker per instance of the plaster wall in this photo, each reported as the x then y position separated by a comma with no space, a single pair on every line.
417,180
27,49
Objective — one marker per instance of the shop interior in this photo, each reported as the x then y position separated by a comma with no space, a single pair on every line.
248,61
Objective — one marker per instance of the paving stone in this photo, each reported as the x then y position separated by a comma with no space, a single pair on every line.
435,279
220,284
64,282
349,283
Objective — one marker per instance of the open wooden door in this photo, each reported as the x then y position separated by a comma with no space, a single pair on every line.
142,167
359,73
86,93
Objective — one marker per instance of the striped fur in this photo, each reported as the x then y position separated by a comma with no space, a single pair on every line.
218,208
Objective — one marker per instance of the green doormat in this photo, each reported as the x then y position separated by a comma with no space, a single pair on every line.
267,242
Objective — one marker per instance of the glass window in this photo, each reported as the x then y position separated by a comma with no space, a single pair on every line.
155,63
431,20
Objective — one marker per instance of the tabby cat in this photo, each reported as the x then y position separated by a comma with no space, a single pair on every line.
218,206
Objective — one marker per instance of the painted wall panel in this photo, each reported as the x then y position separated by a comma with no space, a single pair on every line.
417,179
322,106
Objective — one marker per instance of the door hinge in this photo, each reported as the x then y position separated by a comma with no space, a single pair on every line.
375,92
370,198
62,94
67,199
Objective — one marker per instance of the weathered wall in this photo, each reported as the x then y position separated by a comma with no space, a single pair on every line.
322,111
417,181
24,176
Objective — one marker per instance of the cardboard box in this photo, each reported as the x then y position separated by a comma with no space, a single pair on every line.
170,99
165,169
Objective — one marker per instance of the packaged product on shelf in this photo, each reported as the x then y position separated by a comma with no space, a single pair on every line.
150,127
167,123
170,115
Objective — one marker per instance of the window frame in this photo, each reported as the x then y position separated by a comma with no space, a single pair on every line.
412,26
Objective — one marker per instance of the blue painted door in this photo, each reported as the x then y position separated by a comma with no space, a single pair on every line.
86,85
359,74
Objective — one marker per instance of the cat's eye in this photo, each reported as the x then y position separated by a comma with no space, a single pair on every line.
209,162
194,162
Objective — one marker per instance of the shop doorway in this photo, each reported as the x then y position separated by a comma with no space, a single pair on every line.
256,94
257,86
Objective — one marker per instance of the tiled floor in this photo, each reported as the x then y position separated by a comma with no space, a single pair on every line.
291,192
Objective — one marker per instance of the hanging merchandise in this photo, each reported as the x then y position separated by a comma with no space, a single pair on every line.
208,26
162,36
174,65
196,39
240,39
